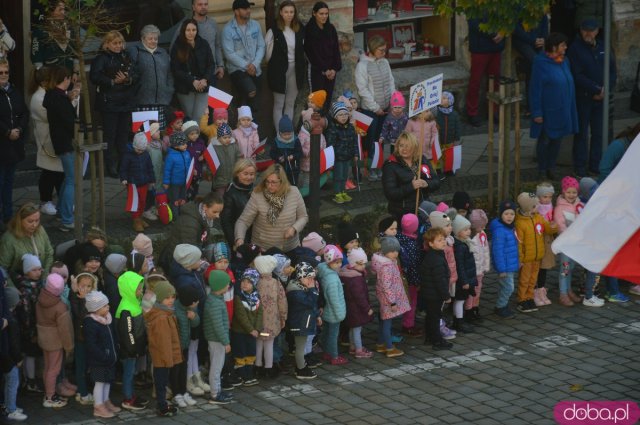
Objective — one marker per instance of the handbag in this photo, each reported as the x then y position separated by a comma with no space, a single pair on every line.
634,101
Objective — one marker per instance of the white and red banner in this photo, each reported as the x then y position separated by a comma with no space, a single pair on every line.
453,158
362,121
605,238
146,127
132,198
327,159
260,148
190,172
139,117
212,159
377,159
218,98
436,151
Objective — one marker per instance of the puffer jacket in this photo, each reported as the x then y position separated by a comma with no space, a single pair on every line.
481,253
181,277
566,213
434,276
186,326
303,309
247,143
335,308
356,294
156,78
344,140
305,143
164,342
504,247
176,166
530,231
389,288
111,97
392,127
465,264
101,344
273,302
55,328
410,257
244,320
228,155
215,321
130,325
137,168
235,199
451,260
396,183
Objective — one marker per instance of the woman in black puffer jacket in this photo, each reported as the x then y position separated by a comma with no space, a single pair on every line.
236,197
399,180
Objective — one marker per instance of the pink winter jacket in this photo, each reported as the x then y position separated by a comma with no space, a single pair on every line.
305,140
565,213
481,253
273,301
430,134
451,261
247,144
389,288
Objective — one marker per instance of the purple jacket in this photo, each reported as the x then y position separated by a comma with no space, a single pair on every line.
196,149
356,295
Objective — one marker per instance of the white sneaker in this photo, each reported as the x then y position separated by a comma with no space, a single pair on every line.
192,386
16,416
593,302
150,215
635,289
202,383
190,401
179,400
48,208
86,400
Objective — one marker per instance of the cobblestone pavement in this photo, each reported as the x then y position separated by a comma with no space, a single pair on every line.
508,372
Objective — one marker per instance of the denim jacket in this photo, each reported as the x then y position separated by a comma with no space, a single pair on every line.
240,49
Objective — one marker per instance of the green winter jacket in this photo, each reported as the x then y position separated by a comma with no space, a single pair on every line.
215,321
245,321
127,287
12,249
185,325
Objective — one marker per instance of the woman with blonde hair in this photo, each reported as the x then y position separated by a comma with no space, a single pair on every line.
276,211
237,195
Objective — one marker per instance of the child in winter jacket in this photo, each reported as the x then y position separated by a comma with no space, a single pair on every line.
164,343
186,310
195,147
176,167
215,322
482,255
448,122
342,136
220,115
11,358
286,149
247,133
390,292
273,301
246,325
55,336
136,172
434,281
504,255
530,230
410,258
396,120
304,136
335,307
544,192
356,294
424,127
101,352
114,266
174,125
467,275
228,152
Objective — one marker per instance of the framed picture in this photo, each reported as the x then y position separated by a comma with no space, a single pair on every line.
403,33
384,32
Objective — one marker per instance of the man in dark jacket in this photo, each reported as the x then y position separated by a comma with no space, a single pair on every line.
586,56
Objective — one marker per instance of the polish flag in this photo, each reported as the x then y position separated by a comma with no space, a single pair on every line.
139,117
191,172
436,151
605,238
260,147
360,150
212,159
453,158
262,165
146,127
132,198
378,155
327,159
362,121
219,99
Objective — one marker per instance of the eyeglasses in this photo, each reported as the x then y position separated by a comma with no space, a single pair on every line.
272,182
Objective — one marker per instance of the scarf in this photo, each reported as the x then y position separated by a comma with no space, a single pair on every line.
148,49
250,301
557,58
546,211
163,307
276,203
155,144
247,131
106,320
284,141
208,220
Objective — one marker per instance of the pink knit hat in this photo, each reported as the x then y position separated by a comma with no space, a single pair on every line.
220,113
397,99
442,207
314,242
409,225
55,284
568,182
355,255
332,253
478,219
142,243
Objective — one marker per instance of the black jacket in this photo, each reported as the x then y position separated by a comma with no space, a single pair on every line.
61,116
235,199
132,335
78,312
465,264
396,183
279,62
100,343
13,355
112,97
137,168
434,276
344,139
13,114
200,64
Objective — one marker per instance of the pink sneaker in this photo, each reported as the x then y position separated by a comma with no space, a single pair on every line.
544,297
363,353
339,361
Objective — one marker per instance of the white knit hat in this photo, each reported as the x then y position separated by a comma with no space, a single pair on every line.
95,300
245,112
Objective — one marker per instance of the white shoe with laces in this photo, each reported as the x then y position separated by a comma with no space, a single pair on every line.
48,208
594,301
180,401
16,416
187,399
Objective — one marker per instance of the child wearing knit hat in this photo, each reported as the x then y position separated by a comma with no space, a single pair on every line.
317,99
411,254
286,149
136,172
504,255
390,292
545,192
164,343
530,230
309,118
342,136
394,123
356,294
246,134
101,352
335,307
176,168
156,153
210,131
314,242
448,121
387,226
482,255
467,276
274,314
196,147
228,150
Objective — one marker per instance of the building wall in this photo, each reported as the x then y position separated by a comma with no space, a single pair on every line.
625,36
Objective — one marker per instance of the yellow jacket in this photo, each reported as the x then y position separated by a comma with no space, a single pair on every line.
530,231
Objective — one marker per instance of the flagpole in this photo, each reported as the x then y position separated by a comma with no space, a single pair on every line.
419,166
358,176
291,169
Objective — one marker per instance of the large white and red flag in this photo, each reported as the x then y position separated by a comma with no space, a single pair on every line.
605,238
190,173
218,98
212,159
377,159
362,121
139,117
327,159
453,158
132,198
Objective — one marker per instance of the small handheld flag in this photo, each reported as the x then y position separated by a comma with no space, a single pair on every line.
132,198
218,98
139,117
327,159
377,160
212,159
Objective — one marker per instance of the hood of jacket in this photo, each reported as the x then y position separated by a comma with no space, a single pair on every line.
46,299
323,271
128,285
156,314
347,271
378,261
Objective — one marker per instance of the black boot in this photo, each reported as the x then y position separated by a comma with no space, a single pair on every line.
460,326
476,314
468,316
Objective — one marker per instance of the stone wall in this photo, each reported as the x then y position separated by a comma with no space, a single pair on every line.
626,40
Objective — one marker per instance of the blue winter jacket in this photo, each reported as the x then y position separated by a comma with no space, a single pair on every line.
610,158
176,166
344,139
100,343
335,307
136,168
504,247
182,277
587,67
552,96
481,42
303,309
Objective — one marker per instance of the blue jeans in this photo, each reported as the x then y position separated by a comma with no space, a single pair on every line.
11,383
277,348
161,380
7,174
613,287
589,283
340,173
67,197
547,150
566,269
384,333
505,290
128,371
329,338
80,358
587,153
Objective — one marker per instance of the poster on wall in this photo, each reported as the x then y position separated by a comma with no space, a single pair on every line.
403,33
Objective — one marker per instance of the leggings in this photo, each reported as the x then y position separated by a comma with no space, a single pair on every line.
101,393
264,346
474,301
283,103
192,362
355,337
52,366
